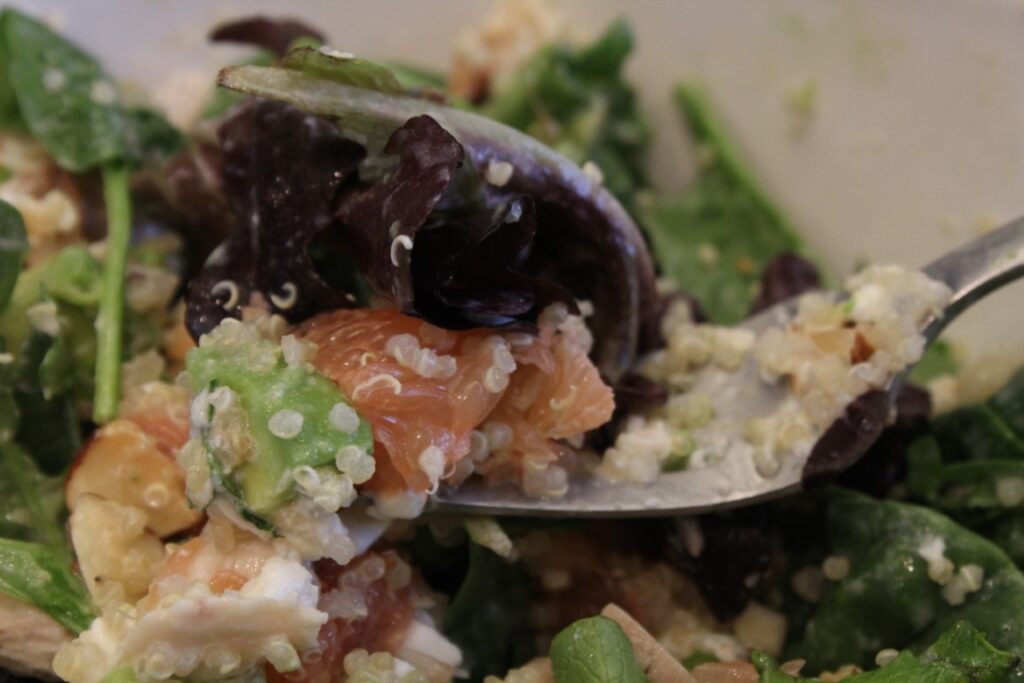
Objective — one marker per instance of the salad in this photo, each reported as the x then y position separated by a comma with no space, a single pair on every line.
239,354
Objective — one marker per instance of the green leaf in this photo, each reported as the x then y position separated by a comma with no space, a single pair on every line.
715,238
888,601
594,650
41,577
977,433
938,361
48,427
1008,403
68,103
993,430
148,137
32,502
961,486
488,616
960,655
353,71
1007,532
577,101
13,247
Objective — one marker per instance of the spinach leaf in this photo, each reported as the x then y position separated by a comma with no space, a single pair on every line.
715,238
888,601
594,650
68,103
1007,531
577,101
48,427
13,247
33,502
35,557
960,655
148,137
992,430
40,576
10,117
72,107
963,486
487,617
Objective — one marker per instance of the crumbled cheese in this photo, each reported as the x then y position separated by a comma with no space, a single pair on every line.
886,656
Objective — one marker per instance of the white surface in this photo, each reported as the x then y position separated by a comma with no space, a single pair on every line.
916,144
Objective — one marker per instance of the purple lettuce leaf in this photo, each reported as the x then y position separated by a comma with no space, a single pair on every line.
377,220
584,241
275,35
283,173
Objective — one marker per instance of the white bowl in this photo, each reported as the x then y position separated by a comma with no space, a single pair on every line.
916,142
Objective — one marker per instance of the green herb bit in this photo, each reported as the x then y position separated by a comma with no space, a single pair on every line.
594,650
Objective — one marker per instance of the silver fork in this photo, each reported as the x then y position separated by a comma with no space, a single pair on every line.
971,271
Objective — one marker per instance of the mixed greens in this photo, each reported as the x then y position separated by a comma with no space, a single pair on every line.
324,171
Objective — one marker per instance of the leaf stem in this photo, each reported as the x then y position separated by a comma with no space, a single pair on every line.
109,322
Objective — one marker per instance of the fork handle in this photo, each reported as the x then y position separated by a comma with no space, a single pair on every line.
976,269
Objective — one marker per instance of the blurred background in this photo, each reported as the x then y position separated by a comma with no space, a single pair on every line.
886,131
